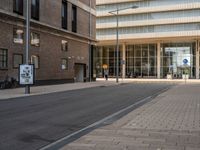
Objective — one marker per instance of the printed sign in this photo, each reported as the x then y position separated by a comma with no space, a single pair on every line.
26,74
185,61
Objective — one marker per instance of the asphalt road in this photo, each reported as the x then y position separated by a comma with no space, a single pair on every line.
30,123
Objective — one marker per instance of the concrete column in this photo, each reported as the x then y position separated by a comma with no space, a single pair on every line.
158,60
107,56
124,60
197,59
101,59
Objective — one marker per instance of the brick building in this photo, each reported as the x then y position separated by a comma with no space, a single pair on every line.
61,36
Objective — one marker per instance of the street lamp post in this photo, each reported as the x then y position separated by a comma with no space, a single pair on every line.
116,13
27,87
90,35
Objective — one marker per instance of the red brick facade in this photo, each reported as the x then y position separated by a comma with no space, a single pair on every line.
51,35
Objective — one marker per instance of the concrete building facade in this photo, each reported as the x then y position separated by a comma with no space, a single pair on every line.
62,34
159,39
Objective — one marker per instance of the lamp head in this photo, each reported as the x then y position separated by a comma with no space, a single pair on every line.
133,7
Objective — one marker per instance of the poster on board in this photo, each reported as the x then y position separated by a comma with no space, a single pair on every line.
26,74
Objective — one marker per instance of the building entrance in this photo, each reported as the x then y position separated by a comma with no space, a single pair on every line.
80,72
178,59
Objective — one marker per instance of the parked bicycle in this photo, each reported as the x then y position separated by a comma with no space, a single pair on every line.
9,82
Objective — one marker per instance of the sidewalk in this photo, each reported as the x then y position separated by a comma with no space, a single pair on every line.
169,122
39,90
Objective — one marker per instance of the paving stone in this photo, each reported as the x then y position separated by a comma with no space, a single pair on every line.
169,122
189,148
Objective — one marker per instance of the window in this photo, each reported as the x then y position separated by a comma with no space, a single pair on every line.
18,35
35,39
35,61
35,7
17,60
74,18
64,45
18,6
3,58
64,14
64,64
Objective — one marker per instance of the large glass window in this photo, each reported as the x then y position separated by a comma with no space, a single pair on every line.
18,6
35,9
64,14
178,59
141,60
105,58
18,35
17,60
3,58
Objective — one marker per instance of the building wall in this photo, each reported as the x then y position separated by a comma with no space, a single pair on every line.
163,22
152,19
51,35
52,12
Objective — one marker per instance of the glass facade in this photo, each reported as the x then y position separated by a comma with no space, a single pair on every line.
173,56
143,4
106,56
151,16
151,19
157,40
141,60
151,29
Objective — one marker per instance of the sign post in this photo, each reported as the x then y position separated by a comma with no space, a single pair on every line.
185,64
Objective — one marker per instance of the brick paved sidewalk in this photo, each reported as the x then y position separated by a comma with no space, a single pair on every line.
169,122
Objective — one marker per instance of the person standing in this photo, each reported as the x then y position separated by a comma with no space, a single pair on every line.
106,74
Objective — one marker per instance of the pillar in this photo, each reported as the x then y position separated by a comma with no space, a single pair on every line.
100,61
158,60
123,60
107,58
197,59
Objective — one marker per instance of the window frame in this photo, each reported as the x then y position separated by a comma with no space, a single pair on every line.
6,61
17,9
35,10
33,39
64,15
14,61
15,33
34,63
74,18
66,67
66,47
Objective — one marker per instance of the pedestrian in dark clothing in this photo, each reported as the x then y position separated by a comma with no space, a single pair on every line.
106,74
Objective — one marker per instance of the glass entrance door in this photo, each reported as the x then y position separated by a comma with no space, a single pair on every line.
178,59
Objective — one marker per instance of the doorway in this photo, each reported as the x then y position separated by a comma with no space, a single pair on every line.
80,72
178,59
